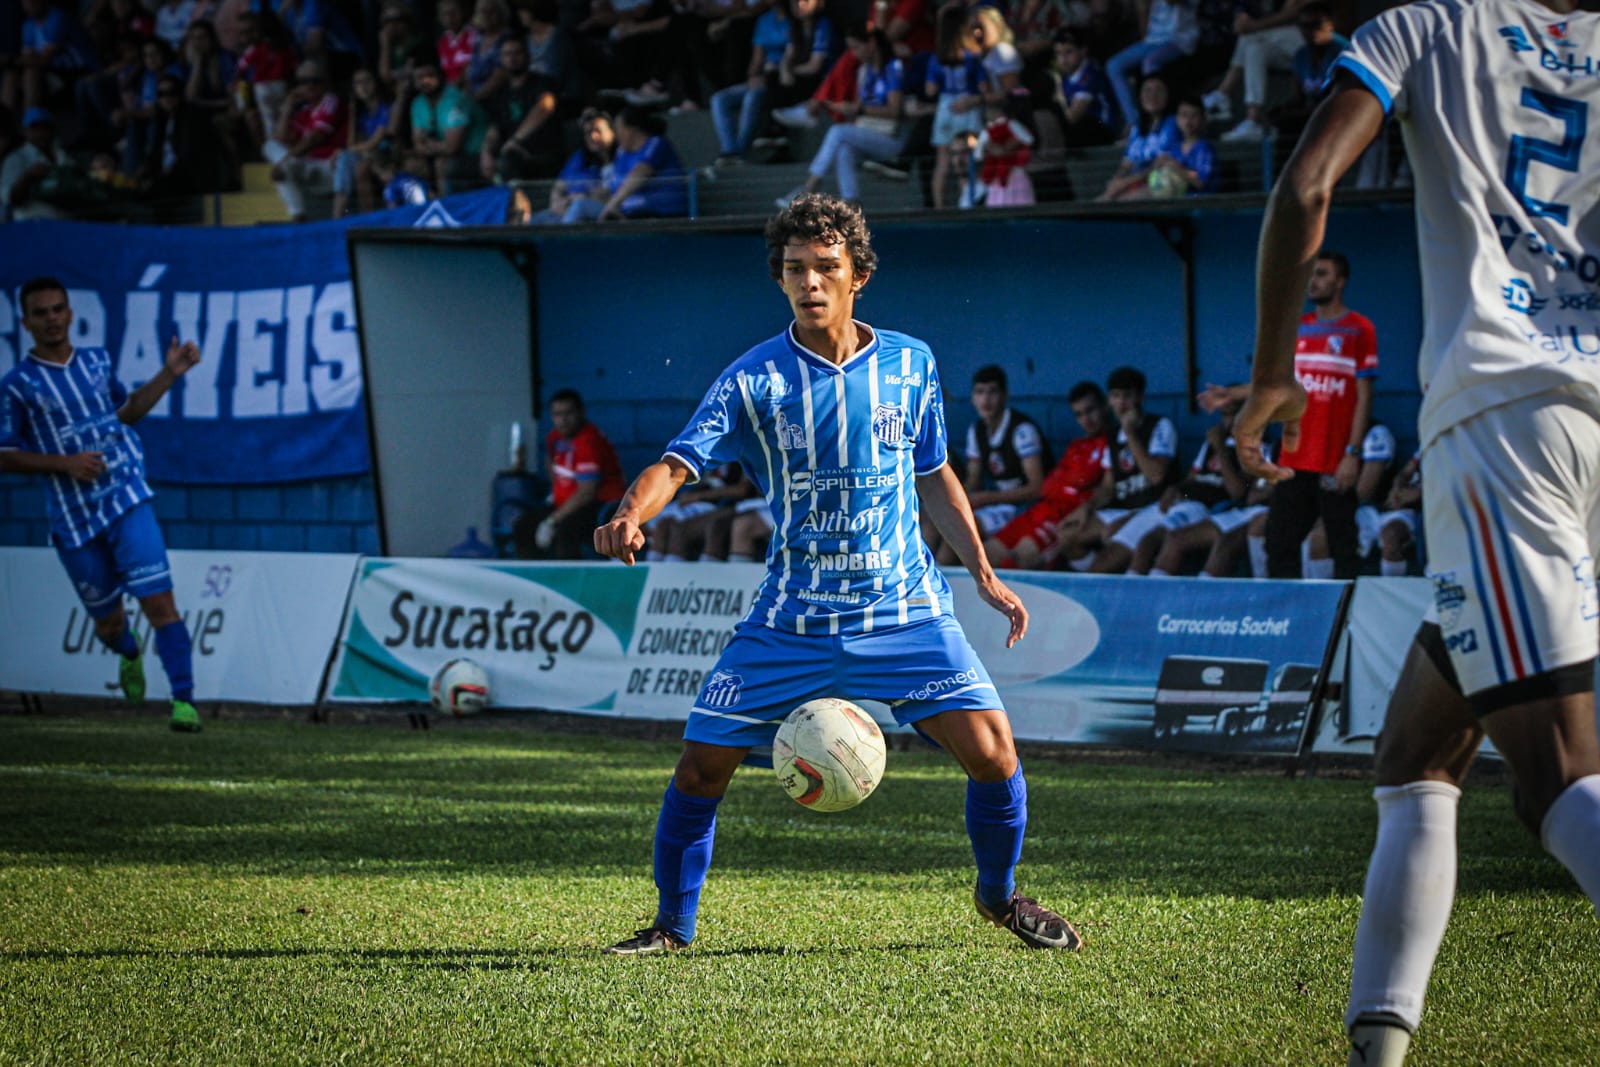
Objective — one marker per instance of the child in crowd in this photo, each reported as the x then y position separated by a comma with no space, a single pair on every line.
956,78
1190,168
1003,150
1155,134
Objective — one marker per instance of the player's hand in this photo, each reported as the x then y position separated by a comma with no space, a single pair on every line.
545,535
85,466
1213,398
182,357
999,596
1267,404
619,539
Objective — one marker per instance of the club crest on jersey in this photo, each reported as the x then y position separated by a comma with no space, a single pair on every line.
723,690
889,423
1449,598
1558,30
791,435
1336,343
1521,298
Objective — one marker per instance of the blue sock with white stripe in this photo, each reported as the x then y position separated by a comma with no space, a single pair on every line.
126,645
684,836
997,816
177,659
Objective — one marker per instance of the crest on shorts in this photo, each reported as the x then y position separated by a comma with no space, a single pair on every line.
889,423
1583,571
723,690
1449,598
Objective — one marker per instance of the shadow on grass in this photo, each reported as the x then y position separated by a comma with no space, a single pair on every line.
452,959
335,801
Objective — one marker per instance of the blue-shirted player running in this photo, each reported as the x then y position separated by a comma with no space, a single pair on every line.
842,427
64,414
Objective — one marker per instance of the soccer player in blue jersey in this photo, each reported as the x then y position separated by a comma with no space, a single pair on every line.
64,414
842,428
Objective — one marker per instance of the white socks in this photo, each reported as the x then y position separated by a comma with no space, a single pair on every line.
1258,556
1318,568
1571,833
1411,884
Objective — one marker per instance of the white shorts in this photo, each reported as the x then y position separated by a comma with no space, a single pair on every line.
992,517
1230,520
1143,521
683,511
1370,523
1511,506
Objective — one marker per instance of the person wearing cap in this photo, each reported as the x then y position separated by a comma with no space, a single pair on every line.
27,167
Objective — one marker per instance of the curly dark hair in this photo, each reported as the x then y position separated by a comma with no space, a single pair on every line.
820,217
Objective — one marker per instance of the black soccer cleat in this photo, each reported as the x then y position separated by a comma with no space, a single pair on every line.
647,942
1037,925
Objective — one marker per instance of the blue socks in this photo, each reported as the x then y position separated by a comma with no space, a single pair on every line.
997,815
126,645
172,645
684,835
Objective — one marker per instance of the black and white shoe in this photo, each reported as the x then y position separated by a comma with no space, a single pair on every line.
1037,925
647,942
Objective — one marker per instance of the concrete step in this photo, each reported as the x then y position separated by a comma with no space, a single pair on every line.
257,178
248,209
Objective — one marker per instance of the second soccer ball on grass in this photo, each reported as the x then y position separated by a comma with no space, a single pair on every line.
829,755
460,687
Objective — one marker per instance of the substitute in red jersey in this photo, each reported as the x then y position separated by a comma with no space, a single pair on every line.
1336,360
584,477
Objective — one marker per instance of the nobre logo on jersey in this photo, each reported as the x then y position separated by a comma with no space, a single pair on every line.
854,562
944,685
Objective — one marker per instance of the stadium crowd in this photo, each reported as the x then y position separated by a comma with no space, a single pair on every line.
130,108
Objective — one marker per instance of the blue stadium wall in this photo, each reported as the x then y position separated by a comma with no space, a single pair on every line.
641,321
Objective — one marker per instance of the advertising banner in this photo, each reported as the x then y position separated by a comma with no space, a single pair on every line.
1167,663
277,393
1178,663
262,625
1383,618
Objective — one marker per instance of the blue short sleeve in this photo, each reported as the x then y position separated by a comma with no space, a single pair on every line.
716,433
13,418
932,445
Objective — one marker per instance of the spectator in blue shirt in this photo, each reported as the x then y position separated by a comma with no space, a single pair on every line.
739,110
406,184
1190,168
647,179
54,51
870,124
957,79
372,119
320,32
583,176
1087,107
1153,134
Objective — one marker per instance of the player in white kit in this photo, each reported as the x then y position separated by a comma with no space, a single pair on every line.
1495,100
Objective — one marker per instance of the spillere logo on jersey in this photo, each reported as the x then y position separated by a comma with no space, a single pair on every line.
829,755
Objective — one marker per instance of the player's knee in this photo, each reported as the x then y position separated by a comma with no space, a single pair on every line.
160,609
699,778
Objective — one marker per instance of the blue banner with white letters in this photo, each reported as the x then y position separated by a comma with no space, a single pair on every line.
277,395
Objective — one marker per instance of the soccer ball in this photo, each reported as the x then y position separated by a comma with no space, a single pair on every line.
460,687
828,754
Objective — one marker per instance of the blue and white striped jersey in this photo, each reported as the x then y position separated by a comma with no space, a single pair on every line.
835,450
61,409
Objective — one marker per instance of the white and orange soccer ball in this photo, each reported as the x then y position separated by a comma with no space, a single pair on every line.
829,755
460,687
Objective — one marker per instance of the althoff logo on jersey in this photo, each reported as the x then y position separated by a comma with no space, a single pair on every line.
889,423
1520,297
723,690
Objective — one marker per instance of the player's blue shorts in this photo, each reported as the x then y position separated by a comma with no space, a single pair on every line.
919,670
127,556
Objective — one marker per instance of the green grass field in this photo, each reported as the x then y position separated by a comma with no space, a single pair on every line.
269,892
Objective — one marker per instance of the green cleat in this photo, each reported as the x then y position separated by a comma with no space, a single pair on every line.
130,675
184,718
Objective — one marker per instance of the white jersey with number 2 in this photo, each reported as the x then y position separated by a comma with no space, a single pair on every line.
1499,102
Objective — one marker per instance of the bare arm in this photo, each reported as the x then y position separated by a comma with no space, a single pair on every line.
946,503
1350,468
84,466
650,492
179,359
1292,231
635,180
1030,490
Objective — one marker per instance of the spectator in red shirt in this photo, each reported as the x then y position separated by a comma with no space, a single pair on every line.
458,42
584,477
311,131
263,72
